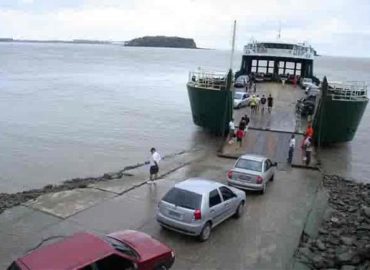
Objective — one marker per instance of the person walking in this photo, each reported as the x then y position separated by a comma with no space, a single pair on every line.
308,150
247,120
254,88
263,103
154,164
239,137
291,149
270,103
242,123
253,104
258,103
231,129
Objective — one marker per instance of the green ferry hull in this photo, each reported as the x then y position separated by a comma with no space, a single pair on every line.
337,120
211,109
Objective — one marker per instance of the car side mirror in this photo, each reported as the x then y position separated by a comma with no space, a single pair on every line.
275,164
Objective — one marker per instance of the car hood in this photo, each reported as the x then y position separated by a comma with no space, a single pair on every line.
144,244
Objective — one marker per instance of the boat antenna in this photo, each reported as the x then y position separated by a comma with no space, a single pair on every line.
279,33
233,46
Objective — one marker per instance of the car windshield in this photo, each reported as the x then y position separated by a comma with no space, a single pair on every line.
183,198
249,164
238,96
121,247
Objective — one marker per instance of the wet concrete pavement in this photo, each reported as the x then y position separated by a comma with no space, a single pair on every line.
264,238
283,116
269,133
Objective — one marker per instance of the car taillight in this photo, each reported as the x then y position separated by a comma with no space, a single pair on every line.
197,214
259,180
230,174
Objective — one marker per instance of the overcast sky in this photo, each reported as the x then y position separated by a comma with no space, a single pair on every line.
333,27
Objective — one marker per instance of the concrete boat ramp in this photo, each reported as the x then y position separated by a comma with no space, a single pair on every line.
265,237
269,133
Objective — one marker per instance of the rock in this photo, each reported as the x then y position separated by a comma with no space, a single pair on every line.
107,176
344,257
347,240
334,241
320,245
348,267
306,252
364,227
323,231
365,210
352,209
318,261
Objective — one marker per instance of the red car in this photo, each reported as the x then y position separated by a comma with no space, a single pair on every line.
126,250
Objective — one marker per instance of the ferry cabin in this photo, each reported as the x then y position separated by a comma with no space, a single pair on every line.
274,60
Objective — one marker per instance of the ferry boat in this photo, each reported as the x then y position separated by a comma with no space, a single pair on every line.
338,112
277,60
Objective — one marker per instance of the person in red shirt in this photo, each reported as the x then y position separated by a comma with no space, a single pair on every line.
308,133
239,137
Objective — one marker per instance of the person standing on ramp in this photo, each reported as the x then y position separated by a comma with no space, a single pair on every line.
154,165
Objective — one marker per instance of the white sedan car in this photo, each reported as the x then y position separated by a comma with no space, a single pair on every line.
241,99
252,172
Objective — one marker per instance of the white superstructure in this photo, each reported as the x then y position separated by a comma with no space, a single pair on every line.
280,49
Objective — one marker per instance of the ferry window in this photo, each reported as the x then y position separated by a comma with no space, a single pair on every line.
271,70
254,69
271,63
262,69
254,63
262,63
290,65
299,66
281,64
281,71
298,72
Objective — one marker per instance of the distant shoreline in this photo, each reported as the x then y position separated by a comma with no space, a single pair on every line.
93,42
74,41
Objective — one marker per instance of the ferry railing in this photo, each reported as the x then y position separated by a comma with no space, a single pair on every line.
351,91
209,80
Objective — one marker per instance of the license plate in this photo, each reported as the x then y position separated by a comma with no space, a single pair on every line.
174,214
245,177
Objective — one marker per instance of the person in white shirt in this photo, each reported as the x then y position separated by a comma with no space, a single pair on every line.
231,129
154,164
291,149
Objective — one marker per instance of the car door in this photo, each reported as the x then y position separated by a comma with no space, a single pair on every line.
269,171
215,207
244,102
229,201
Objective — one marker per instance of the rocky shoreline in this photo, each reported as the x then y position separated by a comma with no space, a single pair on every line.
8,200
343,240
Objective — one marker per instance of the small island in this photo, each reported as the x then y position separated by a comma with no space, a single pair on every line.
162,41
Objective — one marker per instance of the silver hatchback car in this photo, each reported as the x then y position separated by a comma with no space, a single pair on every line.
195,206
252,172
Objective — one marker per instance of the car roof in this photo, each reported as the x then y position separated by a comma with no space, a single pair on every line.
73,252
253,157
242,93
198,185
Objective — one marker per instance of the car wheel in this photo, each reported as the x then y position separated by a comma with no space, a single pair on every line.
263,191
272,177
161,267
206,232
240,210
238,107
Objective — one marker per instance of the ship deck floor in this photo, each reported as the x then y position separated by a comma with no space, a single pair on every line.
269,133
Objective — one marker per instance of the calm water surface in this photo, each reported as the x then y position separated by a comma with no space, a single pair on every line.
81,110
